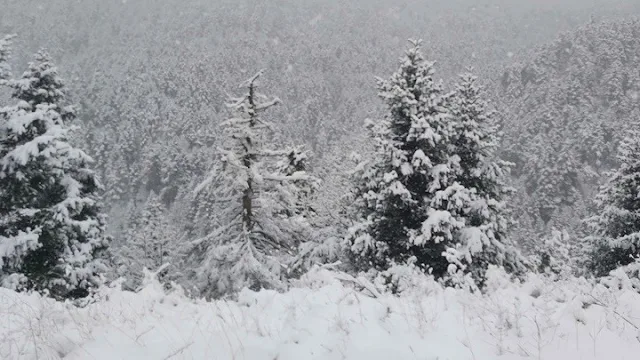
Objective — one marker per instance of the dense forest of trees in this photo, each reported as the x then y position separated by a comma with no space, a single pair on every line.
252,191
565,112
151,80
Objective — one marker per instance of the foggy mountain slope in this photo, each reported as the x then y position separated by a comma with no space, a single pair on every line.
566,111
151,76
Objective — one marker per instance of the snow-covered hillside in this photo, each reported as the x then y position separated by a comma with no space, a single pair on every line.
326,318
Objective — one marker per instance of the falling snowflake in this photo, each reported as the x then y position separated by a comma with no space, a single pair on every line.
510,54
635,95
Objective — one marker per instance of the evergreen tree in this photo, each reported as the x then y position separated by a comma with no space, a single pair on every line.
5,54
299,191
484,240
615,230
150,243
258,226
431,192
411,163
51,228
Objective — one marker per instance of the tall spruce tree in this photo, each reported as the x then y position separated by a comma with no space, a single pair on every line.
431,191
484,240
258,222
51,227
615,230
410,164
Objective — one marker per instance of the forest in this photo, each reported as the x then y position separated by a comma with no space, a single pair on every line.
421,170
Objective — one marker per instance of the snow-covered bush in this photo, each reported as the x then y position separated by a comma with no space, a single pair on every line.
406,278
553,256
626,277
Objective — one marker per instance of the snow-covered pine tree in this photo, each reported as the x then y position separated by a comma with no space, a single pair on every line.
396,188
151,242
296,161
615,230
5,68
481,205
258,227
51,227
5,54
432,190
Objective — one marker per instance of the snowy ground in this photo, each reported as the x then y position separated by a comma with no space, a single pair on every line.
539,319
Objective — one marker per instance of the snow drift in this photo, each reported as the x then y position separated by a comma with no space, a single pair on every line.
328,318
